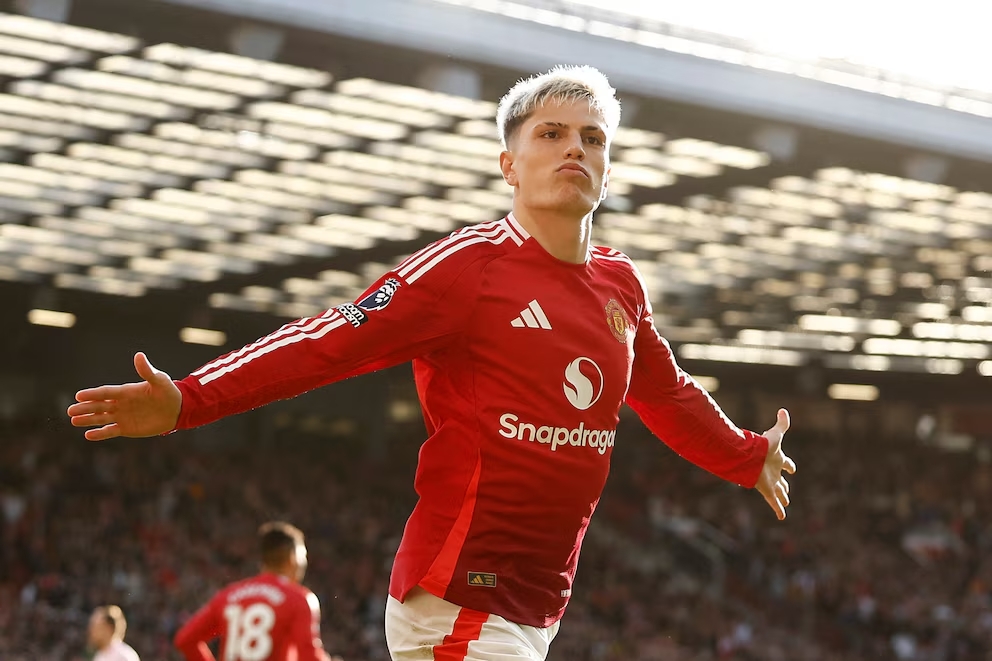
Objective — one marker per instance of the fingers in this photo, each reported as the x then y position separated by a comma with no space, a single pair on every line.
772,501
144,368
103,433
92,420
783,421
100,393
91,414
776,434
776,494
788,465
88,408
782,493
778,498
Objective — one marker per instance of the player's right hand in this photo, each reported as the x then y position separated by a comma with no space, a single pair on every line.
147,408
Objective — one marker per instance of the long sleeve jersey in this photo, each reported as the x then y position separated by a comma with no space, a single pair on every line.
522,362
263,618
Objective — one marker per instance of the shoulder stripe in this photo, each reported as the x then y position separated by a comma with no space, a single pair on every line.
306,325
490,232
427,252
438,252
614,258
272,346
453,249
480,227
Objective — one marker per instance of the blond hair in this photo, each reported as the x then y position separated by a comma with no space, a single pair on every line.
562,84
114,616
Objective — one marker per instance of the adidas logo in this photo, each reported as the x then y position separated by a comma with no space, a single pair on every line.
482,579
532,317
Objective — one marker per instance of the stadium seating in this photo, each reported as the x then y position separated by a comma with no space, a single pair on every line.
880,555
132,167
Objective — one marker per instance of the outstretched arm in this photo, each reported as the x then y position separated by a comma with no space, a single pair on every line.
683,415
409,312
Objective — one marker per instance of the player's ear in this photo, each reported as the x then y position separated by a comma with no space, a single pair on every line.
606,183
506,167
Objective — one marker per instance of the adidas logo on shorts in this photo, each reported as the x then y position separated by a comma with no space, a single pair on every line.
482,579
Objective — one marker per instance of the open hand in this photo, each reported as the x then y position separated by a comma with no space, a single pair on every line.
147,408
772,484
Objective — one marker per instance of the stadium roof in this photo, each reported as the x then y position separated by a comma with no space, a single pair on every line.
888,47
133,168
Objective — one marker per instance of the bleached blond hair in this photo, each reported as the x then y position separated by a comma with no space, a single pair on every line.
114,616
562,84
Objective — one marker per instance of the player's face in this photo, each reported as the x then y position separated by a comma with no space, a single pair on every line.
558,160
99,633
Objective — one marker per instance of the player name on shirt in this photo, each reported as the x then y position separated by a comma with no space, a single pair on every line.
270,593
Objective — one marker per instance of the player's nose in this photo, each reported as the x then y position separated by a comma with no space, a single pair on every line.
574,148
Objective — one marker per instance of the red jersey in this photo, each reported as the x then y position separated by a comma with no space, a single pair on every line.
263,618
522,362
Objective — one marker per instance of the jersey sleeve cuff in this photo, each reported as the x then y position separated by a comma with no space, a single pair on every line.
751,470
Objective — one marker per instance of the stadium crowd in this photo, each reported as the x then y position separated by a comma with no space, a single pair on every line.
886,553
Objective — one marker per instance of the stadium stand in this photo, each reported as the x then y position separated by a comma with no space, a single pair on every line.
678,566
134,167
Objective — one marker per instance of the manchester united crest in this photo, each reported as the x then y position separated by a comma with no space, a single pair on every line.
616,319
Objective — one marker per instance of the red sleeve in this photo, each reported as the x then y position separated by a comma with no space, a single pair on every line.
683,415
413,310
192,638
304,632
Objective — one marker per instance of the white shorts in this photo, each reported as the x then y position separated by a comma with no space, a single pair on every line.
427,628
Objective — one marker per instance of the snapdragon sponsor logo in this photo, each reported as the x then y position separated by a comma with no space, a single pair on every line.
583,391
598,439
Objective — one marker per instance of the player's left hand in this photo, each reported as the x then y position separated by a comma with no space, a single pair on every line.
772,484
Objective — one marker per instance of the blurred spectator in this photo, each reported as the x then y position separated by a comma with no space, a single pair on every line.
105,635
886,558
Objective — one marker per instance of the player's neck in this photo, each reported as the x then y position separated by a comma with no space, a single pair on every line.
563,236
288,573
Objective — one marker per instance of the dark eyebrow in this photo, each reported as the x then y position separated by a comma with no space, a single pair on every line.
561,125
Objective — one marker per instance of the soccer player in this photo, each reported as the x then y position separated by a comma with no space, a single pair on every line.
106,635
525,341
269,617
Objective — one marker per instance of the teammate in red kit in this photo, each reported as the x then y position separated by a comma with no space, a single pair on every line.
269,617
525,341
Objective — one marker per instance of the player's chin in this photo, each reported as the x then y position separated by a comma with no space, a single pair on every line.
566,201
576,202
